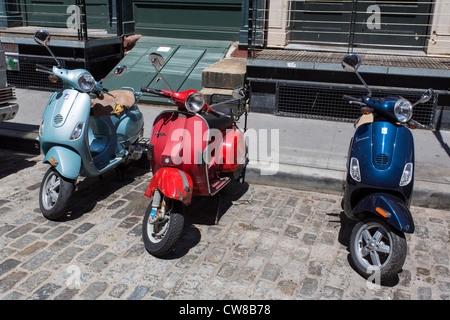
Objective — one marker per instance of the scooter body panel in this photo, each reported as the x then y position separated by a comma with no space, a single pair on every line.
388,207
66,108
67,162
382,149
179,140
231,153
173,183
102,138
129,126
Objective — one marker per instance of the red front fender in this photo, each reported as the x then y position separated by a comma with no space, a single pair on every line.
173,183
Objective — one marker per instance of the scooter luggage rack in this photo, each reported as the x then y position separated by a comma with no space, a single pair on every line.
236,104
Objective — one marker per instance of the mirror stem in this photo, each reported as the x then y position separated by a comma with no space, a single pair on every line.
364,83
54,57
164,80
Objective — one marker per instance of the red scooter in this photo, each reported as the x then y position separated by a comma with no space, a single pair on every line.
194,150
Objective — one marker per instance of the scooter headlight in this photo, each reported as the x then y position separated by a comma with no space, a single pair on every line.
77,131
403,110
86,82
354,169
195,102
407,175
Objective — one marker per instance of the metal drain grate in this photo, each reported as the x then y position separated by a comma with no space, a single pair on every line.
325,102
423,62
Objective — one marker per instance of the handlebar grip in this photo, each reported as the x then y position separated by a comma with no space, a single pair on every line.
347,97
150,90
44,68
214,113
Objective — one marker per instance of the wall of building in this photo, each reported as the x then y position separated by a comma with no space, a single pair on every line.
439,42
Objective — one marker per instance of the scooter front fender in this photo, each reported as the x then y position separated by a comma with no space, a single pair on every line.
65,161
173,183
388,207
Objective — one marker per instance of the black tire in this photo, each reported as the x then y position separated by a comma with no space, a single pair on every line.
375,246
171,229
54,194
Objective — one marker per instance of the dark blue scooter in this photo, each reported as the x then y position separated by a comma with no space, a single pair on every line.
380,178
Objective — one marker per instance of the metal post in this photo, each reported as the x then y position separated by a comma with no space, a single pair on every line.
250,29
351,31
82,31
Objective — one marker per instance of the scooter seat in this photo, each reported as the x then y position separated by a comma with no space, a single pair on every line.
107,105
221,122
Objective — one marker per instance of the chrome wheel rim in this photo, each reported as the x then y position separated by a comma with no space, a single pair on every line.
51,190
158,230
373,244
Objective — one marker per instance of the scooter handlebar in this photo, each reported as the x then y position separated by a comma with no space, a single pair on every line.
214,113
353,100
150,90
41,68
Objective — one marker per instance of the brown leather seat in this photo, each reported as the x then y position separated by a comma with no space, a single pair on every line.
123,100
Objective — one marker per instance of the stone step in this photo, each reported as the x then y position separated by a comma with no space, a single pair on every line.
227,73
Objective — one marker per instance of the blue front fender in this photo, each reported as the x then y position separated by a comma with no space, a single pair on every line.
398,214
65,161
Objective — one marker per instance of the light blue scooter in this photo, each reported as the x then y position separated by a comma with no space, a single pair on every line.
84,136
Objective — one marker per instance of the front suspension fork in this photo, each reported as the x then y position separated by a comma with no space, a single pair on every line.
158,207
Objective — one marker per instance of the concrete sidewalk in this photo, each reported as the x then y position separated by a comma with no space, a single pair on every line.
304,154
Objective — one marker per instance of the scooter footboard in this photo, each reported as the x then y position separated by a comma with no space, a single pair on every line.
173,183
388,207
65,161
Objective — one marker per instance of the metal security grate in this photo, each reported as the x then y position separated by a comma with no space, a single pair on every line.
326,102
28,77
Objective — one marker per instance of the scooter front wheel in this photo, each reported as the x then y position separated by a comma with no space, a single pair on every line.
54,194
161,237
377,249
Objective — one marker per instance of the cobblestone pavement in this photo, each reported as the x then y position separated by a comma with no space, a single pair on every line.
270,243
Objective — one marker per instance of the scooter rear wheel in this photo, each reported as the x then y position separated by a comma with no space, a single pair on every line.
54,194
377,249
161,237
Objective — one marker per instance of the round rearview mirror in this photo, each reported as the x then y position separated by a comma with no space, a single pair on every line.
351,62
238,93
156,60
120,70
42,37
426,96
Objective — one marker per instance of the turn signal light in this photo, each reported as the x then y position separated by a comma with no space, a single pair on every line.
365,110
53,78
382,212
